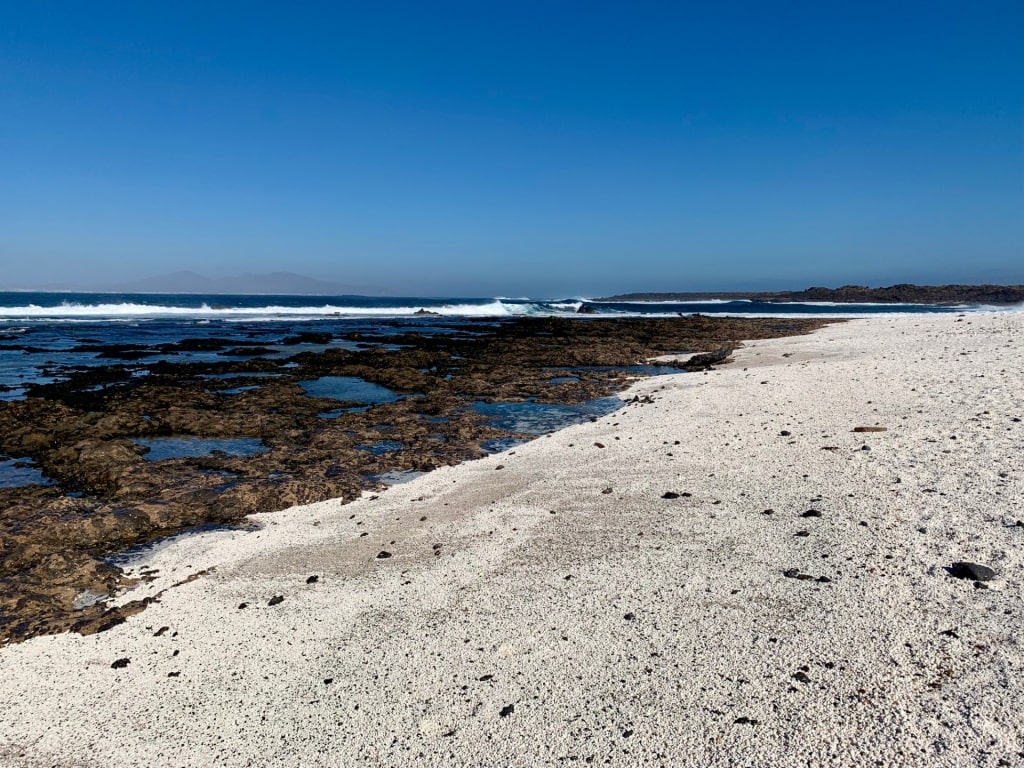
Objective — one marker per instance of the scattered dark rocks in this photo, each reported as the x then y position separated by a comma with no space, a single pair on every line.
160,632
121,663
599,445
485,678
383,555
606,491
785,433
313,579
967,570
746,721
242,606
811,513
276,600
801,677
670,495
507,710
174,674
328,680
630,616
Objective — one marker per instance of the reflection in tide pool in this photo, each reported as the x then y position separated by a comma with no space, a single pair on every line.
534,418
161,448
17,473
350,389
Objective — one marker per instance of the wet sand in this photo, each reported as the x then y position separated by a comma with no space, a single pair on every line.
722,573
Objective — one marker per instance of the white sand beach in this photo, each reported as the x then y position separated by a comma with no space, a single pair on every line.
548,606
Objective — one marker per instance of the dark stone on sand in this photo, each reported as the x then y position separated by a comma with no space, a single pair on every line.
276,600
160,631
963,569
606,491
313,579
383,555
811,513
870,429
630,616
707,359
791,573
121,663
599,445
485,678
242,606
785,433
745,721
802,533
670,495
801,677
328,680
507,710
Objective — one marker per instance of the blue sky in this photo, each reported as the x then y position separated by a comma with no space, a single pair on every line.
519,148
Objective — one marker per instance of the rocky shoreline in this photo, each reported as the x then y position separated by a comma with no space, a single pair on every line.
83,431
904,293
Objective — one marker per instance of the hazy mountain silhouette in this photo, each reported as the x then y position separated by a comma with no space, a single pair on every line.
272,283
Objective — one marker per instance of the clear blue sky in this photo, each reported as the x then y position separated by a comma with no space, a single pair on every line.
517,148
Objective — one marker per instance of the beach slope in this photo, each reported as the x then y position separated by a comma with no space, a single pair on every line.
754,566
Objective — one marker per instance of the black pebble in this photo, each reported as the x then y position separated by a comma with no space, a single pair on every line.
791,573
801,677
242,605
966,570
746,720
607,490
507,710
485,678
383,555
312,579
173,674
785,433
670,495
121,663
328,680
802,533
630,616
627,733
276,600
811,513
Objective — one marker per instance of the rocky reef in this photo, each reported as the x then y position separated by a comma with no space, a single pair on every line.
88,431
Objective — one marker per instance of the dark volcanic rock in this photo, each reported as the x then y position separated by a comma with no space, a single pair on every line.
966,570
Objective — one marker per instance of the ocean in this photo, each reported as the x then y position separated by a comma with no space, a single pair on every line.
43,335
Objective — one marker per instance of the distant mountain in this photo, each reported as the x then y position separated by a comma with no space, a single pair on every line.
273,283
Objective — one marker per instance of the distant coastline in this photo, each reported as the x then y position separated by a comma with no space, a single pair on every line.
904,293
